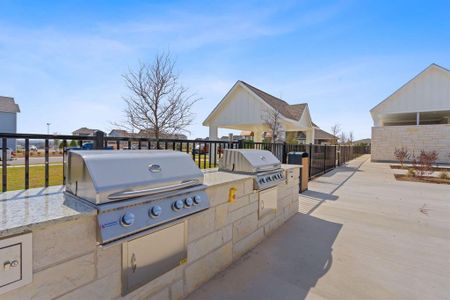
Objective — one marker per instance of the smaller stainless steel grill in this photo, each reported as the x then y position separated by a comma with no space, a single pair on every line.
262,164
135,190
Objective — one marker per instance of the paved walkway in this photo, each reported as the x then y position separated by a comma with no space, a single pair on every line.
359,234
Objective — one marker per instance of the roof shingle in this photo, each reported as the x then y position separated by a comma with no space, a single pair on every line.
294,111
320,134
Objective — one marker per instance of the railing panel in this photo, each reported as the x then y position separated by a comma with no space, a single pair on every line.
206,154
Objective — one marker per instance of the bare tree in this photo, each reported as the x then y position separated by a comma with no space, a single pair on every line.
343,138
350,138
272,118
336,129
158,104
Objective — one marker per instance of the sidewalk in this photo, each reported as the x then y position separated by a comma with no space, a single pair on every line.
359,234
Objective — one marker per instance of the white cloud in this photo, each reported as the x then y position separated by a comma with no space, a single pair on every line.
72,77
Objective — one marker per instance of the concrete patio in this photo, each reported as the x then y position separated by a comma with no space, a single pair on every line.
359,234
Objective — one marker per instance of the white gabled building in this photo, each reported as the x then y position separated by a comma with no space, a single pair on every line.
416,116
245,106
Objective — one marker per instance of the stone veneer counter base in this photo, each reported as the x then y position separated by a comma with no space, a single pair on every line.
67,263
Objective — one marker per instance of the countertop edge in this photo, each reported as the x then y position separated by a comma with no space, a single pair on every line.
42,224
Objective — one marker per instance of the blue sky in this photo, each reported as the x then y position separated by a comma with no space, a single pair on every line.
62,60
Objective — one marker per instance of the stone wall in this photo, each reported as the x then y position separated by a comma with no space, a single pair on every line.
423,137
68,265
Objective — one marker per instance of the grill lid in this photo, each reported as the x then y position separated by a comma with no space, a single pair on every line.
102,176
248,161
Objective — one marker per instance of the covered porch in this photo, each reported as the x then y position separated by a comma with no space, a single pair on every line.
260,132
414,118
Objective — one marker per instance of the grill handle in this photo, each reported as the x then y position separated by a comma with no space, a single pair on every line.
146,192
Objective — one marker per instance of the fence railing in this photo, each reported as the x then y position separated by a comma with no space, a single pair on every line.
47,167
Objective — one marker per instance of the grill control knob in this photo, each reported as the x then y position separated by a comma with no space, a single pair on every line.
155,211
127,219
188,201
197,199
177,205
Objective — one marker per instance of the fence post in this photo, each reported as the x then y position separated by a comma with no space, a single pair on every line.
324,158
310,158
99,139
339,154
335,156
284,153
4,165
241,144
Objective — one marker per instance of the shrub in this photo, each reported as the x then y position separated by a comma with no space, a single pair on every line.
411,172
73,143
444,175
402,154
423,164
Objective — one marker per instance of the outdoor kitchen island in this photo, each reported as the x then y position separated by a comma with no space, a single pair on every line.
68,263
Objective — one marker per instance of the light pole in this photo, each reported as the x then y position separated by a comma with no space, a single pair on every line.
48,128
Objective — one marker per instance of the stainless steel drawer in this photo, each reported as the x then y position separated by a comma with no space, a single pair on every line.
150,256
268,200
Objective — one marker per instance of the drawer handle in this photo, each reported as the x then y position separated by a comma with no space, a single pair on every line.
7,265
133,262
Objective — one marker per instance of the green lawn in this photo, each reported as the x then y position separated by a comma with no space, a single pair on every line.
16,176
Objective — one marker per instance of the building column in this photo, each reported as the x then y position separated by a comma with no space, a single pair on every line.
310,136
418,118
213,133
378,122
213,136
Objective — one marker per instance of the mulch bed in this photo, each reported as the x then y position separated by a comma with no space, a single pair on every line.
435,169
424,179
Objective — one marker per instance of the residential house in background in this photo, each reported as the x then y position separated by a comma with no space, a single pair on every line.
150,134
8,118
244,108
416,116
363,142
85,131
119,133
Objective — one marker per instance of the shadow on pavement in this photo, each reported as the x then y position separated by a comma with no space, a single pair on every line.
319,196
285,266
341,169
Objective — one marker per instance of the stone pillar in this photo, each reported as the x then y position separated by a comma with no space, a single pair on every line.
257,135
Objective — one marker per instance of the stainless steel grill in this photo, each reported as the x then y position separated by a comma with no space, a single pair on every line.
135,190
262,164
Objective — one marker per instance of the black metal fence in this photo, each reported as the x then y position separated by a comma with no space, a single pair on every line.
49,161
